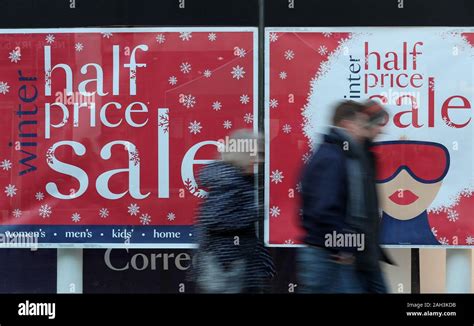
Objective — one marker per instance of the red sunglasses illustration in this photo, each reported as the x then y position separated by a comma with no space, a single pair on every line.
426,162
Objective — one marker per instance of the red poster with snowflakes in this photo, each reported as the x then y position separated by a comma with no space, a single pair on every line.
104,130
423,76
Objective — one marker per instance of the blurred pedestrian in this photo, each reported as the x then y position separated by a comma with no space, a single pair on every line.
333,193
231,258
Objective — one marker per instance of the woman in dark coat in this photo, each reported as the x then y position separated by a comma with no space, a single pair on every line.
231,258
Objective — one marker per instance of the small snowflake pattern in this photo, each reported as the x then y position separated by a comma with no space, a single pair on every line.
160,38
17,213
133,209
273,103
194,127
244,99
273,37
45,211
79,47
212,37
173,80
185,67
4,88
171,216
6,165
248,118
322,50
238,72
277,176
188,101
15,56
275,211
289,55
106,34
216,106
227,124
286,128
76,217
104,212
470,240
10,190
239,52
185,36
145,219
39,196
49,38
283,75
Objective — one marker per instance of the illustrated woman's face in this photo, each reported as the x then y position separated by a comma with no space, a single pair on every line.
404,198
409,176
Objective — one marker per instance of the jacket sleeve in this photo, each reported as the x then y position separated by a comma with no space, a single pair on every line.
325,192
231,205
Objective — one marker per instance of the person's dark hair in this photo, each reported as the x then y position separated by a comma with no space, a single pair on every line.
346,110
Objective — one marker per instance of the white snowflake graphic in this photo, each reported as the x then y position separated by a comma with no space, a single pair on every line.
273,37
453,216
227,124
17,213
248,118
470,240
444,241
135,157
306,157
283,75
185,36
45,211
103,212
4,87
216,106
133,209
39,196
277,176
322,50
79,47
275,211
434,231
289,241
327,34
240,52
10,190
212,37
106,34
173,80
188,101
299,187
273,103
207,73
171,216
160,38
49,38
6,165
15,56
145,219
185,67
76,217
286,128
238,72
244,99
194,127
289,55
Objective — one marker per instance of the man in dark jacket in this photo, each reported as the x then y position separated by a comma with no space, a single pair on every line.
334,198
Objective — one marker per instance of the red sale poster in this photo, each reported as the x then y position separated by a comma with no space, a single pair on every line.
425,155
104,130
